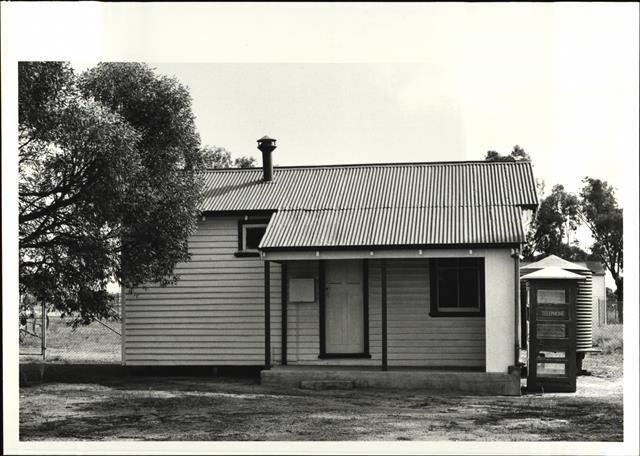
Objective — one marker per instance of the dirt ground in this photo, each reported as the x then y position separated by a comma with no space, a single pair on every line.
109,403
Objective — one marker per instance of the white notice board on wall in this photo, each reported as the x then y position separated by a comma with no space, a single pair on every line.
301,290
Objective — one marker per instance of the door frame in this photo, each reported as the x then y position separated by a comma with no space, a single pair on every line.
365,313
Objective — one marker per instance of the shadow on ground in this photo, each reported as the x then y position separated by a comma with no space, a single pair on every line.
111,402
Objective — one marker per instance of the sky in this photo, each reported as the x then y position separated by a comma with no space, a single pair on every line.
450,109
560,83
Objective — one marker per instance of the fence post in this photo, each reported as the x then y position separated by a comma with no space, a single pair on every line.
601,317
620,310
44,332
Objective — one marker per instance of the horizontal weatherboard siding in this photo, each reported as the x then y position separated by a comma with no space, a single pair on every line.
414,338
214,315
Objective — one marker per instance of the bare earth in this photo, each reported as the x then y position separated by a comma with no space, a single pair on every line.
100,403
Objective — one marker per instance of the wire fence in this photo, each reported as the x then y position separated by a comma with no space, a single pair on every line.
614,313
607,312
608,327
97,343
100,342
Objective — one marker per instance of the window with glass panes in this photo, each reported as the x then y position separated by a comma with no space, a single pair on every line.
457,287
250,233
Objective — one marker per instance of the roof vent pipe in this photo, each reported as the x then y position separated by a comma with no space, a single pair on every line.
266,146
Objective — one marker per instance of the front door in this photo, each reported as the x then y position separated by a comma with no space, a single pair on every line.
344,307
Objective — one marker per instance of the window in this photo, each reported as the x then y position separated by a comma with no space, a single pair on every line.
457,287
249,236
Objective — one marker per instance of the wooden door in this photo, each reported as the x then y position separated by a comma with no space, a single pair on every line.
344,307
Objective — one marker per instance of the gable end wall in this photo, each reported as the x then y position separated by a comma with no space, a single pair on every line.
213,316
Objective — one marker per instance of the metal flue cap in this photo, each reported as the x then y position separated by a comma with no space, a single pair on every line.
266,144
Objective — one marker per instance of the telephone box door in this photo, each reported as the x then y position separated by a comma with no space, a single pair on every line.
552,341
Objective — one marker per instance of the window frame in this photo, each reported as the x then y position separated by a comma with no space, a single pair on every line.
242,232
438,311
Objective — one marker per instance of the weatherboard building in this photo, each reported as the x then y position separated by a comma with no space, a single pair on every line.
407,274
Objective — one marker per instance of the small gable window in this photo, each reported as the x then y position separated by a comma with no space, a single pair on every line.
457,287
249,236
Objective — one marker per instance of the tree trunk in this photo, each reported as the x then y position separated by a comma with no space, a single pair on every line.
619,295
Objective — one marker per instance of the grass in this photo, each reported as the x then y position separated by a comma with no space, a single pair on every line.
609,338
114,403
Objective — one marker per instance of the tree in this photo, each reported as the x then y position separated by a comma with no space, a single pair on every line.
219,157
557,217
517,154
244,162
108,185
600,212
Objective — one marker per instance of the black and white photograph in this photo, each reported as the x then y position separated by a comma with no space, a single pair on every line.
320,228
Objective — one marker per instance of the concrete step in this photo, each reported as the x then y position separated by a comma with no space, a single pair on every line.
326,384
476,383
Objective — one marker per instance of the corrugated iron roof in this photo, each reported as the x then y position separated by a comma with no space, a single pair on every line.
380,204
371,186
394,227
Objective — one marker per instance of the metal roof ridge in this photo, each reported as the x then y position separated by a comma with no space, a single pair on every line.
371,165
377,208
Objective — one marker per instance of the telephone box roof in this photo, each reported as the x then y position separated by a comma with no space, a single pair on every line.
553,272
553,261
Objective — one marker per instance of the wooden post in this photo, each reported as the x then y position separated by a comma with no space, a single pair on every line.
285,298
267,315
44,332
321,310
365,307
384,314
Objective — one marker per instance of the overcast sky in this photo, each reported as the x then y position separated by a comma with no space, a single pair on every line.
559,80
564,86
567,102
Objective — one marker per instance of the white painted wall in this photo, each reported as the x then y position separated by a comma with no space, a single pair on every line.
499,310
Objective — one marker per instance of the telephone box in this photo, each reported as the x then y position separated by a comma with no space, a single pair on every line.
552,330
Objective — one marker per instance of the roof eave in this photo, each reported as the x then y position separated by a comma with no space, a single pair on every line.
393,246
